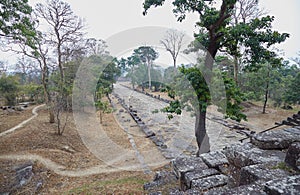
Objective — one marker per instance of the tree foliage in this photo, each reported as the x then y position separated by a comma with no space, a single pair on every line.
16,22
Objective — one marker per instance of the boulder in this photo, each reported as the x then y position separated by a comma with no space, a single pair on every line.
182,165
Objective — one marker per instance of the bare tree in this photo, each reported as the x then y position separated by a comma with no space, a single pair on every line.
40,54
65,27
173,43
96,46
65,30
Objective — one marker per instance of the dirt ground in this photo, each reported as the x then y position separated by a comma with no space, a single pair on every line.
9,118
68,157
39,138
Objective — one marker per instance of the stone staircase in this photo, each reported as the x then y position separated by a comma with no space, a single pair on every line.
268,164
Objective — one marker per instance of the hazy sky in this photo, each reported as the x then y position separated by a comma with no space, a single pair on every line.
106,18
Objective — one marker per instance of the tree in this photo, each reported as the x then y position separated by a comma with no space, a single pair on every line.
96,47
65,28
8,89
65,31
128,65
16,22
216,34
292,95
147,55
173,43
244,11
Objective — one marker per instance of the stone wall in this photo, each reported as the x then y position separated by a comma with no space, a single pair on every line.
268,164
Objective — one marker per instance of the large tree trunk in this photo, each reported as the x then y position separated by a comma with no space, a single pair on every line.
47,95
200,132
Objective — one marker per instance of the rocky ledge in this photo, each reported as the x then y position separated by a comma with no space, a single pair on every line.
268,164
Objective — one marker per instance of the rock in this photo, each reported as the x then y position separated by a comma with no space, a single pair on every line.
121,110
24,174
293,155
264,172
68,149
253,189
210,182
279,139
183,165
241,155
287,185
148,132
161,178
195,175
214,159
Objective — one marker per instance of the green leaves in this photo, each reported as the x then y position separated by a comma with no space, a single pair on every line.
16,22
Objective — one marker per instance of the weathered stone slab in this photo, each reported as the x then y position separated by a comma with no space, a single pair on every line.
183,165
295,130
241,155
293,155
253,189
210,182
214,159
198,174
263,172
287,185
279,139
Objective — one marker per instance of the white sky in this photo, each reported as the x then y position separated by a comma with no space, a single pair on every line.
106,18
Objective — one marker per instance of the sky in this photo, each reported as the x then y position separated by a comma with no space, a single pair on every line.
110,18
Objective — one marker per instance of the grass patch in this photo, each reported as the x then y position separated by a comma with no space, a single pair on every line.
128,185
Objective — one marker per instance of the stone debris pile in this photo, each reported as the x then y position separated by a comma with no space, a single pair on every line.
268,164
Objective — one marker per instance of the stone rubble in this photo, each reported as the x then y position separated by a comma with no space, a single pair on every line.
269,164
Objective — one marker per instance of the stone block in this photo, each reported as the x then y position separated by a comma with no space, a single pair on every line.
241,155
210,182
263,172
214,159
198,174
287,185
253,189
183,165
277,139
293,155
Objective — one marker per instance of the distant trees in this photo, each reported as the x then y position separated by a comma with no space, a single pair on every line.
9,89
147,55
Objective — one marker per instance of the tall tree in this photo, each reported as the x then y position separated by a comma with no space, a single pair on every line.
216,34
65,27
146,55
173,43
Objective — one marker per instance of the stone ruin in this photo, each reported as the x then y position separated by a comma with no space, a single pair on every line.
268,164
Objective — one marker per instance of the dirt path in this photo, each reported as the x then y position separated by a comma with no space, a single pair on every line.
60,169
35,114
